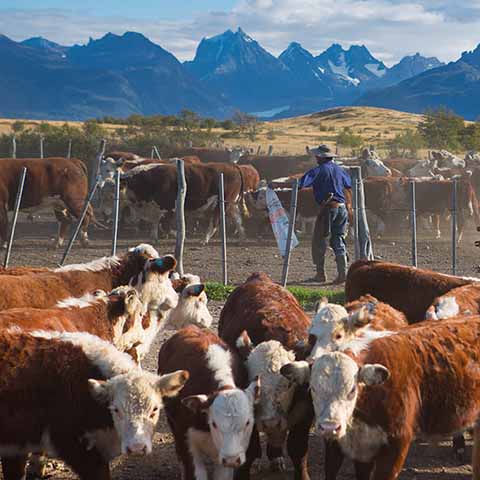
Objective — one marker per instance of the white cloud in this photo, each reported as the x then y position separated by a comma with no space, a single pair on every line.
390,28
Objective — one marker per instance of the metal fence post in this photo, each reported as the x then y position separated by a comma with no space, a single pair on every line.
18,200
454,227
180,214
42,140
116,212
291,229
79,224
223,230
413,221
69,150
14,146
355,219
96,167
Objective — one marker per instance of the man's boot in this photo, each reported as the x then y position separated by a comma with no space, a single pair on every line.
320,277
341,261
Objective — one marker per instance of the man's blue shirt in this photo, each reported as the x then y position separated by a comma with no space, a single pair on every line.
327,178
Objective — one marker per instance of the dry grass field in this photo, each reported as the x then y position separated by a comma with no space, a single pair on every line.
289,136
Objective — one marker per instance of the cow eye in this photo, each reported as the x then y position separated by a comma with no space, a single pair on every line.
247,424
154,412
338,336
214,425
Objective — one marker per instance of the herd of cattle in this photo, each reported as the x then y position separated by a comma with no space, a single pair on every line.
399,361
149,190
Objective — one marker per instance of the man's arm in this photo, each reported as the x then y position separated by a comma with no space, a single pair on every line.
308,179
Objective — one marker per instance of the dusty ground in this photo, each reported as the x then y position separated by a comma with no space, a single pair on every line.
425,462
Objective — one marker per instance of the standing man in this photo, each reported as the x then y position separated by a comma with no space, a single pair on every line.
328,181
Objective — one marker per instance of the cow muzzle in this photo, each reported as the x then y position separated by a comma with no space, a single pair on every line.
330,429
137,446
233,461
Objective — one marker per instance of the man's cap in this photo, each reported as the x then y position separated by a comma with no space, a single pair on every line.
322,151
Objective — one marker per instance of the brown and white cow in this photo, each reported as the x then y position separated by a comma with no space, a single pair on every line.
420,381
213,417
408,289
77,398
335,327
45,289
266,324
459,301
114,317
61,181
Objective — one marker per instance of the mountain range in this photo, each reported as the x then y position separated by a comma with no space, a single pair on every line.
119,75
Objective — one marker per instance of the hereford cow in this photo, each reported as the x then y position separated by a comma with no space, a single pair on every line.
117,405
61,181
408,289
213,417
416,382
265,323
459,301
335,327
44,290
154,189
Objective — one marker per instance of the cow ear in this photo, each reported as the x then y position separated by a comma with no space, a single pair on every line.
164,264
131,298
373,374
297,372
169,385
253,391
99,389
359,319
194,290
134,353
197,403
323,302
244,345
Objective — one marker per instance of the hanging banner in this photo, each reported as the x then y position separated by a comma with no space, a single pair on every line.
280,222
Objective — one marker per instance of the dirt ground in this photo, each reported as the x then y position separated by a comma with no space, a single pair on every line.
425,462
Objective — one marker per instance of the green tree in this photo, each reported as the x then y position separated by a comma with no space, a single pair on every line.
442,129
348,139
405,144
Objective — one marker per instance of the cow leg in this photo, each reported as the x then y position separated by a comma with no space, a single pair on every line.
459,447
37,465
62,233
476,452
390,460
185,456
275,455
297,447
460,226
436,222
333,459
88,465
363,471
212,226
14,467
234,213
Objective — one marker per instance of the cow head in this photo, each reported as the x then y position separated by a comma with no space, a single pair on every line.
443,307
265,362
335,382
230,418
191,308
135,400
235,154
328,328
108,169
154,284
374,167
424,168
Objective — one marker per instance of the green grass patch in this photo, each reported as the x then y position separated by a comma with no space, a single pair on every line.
306,296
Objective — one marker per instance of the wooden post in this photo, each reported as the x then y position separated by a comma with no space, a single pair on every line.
157,153
116,212
454,227
413,221
14,146
79,224
291,229
18,200
42,140
69,151
96,167
223,230
180,214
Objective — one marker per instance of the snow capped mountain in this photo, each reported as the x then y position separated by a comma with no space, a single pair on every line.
355,66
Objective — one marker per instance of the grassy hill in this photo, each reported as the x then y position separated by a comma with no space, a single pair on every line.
291,135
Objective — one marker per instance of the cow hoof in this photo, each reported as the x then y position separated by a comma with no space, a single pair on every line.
278,465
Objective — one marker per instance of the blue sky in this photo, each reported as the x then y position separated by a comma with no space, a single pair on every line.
391,29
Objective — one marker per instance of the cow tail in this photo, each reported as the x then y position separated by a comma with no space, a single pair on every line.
243,203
